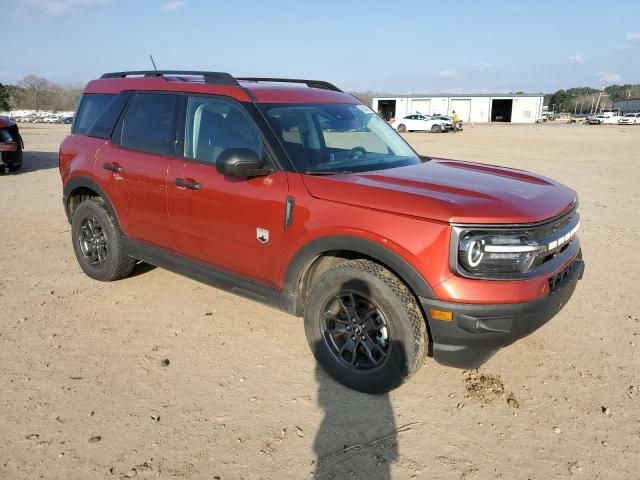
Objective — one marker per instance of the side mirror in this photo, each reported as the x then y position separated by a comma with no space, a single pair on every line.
240,162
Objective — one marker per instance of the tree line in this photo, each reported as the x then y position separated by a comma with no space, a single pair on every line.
587,99
37,93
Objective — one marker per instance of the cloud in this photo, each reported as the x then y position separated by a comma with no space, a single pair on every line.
577,59
482,67
633,37
173,5
608,77
446,73
55,8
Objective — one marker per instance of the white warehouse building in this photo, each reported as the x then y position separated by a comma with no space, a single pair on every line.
475,108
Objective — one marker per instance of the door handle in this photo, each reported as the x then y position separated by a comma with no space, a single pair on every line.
188,183
114,167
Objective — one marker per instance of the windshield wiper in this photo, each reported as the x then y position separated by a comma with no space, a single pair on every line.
325,172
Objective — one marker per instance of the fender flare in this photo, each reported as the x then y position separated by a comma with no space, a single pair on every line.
86,182
311,251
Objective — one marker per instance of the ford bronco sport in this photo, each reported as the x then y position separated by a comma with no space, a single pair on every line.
296,194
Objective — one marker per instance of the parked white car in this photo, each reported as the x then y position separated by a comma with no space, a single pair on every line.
629,119
603,119
419,123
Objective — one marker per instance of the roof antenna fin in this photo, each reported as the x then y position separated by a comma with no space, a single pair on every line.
153,63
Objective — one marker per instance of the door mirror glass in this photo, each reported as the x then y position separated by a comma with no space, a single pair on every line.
240,162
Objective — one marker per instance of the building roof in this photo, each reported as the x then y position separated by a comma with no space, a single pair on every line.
460,95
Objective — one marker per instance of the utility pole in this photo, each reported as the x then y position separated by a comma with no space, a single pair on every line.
598,102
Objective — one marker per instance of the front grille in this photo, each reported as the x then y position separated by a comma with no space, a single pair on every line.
556,280
544,234
549,228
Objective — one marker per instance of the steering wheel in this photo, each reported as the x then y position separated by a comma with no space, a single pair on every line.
354,151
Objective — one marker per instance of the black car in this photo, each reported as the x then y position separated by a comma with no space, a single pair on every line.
11,145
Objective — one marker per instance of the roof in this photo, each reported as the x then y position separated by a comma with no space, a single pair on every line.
460,95
261,90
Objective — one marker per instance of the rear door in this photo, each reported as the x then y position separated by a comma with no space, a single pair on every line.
234,224
136,163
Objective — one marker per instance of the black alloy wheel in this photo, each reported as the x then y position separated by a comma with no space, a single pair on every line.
93,242
356,331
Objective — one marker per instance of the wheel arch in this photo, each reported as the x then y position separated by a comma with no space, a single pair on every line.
80,188
323,253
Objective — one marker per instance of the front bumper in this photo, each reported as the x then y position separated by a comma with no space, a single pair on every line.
476,332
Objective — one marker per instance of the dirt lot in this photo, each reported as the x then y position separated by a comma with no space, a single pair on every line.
84,392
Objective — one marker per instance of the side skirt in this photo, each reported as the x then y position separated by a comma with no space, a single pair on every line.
210,275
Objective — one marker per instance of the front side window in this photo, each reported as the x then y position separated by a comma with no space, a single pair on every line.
332,138
149,123
214,125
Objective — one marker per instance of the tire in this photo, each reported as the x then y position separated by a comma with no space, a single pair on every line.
17,161
436,128
98,242
402,128
388,324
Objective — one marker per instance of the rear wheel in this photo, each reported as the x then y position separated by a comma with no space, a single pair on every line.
98,242
365,327
402,127
436,129
13,160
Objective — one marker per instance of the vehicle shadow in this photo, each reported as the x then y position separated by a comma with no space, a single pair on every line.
357,438
141,268
34,161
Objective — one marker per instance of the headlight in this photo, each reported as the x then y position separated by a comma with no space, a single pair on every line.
488,253
511,253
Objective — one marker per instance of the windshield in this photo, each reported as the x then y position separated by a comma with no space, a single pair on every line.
337,138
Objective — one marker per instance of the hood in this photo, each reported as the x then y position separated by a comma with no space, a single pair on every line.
449,191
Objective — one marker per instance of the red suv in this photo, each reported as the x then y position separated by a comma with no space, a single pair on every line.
296,194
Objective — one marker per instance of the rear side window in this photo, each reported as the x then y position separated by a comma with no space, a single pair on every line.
149,123
91,107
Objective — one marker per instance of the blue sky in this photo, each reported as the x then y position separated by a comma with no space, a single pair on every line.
402,47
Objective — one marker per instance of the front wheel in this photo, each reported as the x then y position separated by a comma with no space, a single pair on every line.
364,327
436,129
98,242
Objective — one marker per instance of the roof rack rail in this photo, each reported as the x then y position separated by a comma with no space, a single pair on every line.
218,78
309,83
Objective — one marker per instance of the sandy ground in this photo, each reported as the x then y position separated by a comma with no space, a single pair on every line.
84,392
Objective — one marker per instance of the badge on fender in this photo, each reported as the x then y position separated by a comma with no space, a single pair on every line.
262,235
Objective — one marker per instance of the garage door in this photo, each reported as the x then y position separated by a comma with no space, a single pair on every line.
420,106
462,108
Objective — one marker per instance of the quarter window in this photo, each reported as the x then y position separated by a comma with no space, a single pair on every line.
149,123
214,125
91,107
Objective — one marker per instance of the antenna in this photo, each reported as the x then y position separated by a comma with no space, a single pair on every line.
153,63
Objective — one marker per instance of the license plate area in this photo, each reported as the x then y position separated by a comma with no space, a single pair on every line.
8,147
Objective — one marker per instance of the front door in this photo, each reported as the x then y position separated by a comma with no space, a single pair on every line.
234,224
